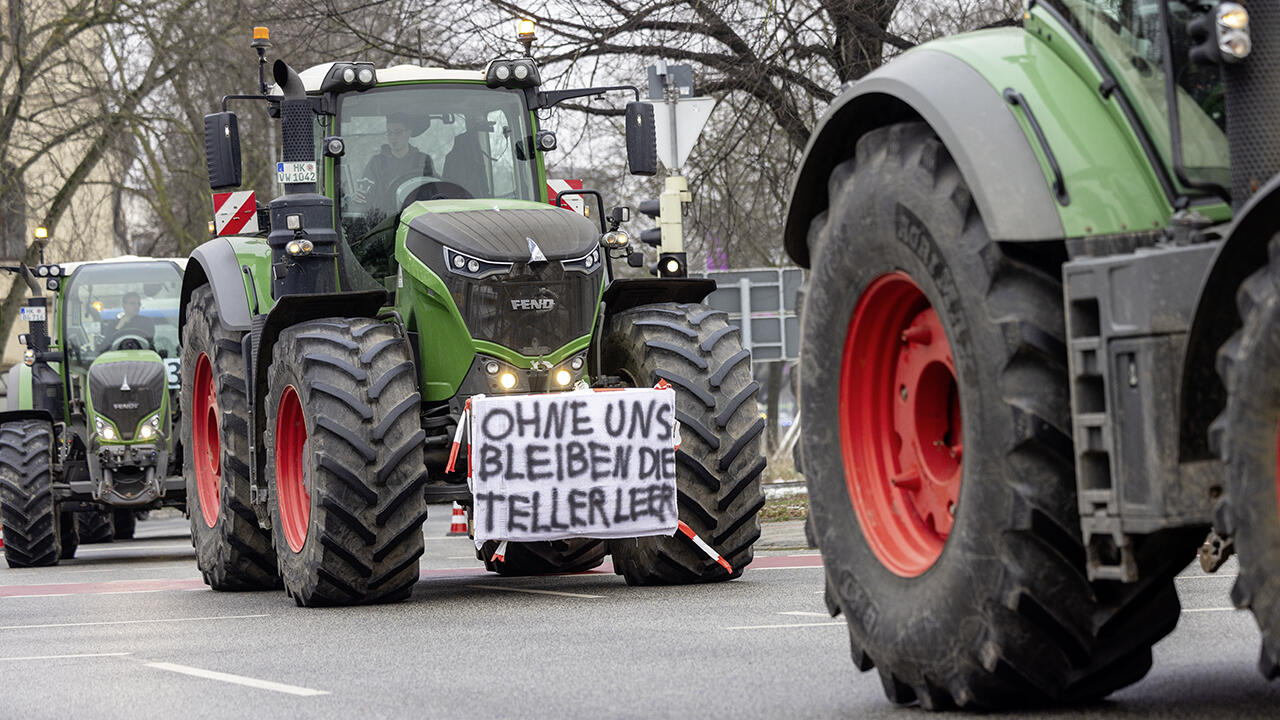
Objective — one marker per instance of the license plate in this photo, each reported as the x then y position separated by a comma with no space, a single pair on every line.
32,314
575,464
296,172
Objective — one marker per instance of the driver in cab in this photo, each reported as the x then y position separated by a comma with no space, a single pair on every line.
130,321
396,162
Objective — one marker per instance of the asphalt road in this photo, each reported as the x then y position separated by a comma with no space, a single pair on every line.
128,630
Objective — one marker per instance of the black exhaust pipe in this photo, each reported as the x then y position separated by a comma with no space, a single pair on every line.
303,239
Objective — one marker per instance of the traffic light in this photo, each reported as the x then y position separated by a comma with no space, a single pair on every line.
1221,35
652,208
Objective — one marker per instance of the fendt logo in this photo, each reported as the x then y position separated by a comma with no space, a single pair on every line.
124,406
542,304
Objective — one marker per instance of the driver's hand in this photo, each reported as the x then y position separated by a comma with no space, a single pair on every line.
359,196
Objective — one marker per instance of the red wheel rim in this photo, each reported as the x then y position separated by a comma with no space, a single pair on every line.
207,452
291,476
900,428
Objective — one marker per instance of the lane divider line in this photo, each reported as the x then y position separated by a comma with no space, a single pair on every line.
532,591
785,625
1215,576
130,622
1191,610
237,679
805,613
61,657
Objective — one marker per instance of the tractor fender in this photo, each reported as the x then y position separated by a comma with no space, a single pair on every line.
291,310
215,263
14,415
13,386
626,293
971,118
1243,251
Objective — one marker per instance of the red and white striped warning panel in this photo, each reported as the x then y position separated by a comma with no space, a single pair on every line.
575,202
235,213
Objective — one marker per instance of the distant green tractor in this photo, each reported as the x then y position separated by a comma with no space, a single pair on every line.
329,358
87,441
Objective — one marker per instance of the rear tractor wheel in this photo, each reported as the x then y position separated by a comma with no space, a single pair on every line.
938,454
719,461
346,473
1247,437
95,526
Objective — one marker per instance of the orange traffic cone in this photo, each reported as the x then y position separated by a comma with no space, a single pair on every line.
459,525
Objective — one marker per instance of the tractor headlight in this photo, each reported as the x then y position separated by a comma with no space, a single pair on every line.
104,429
563,378
615,239
586,263
147,432
29,357
472,267
349,76
507,380
513,74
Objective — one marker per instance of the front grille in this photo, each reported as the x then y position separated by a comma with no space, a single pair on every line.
534,309
126,392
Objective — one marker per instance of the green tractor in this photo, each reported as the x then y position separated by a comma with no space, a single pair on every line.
412,263
1040,345
87,441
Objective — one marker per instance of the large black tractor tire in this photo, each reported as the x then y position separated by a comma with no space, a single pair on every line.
95,527
346,476
544,558
124,522
719,461
953,384
28,511
1245,437
233,552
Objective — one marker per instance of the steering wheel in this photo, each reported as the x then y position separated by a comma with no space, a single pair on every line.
131,341
442,190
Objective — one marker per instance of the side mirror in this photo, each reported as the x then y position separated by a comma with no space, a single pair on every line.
222,149
642,139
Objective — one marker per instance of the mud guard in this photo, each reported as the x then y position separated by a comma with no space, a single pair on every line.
972,120
215,263
624,294
1243,251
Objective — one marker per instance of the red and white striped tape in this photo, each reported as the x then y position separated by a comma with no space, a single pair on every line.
710,551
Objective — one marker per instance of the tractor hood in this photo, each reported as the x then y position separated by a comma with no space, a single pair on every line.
523,275
500,231
125,387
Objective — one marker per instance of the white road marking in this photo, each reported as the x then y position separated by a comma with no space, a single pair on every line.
59,657
785,567
1226,609
805,613
531,591
74,572
1205,577
10,597
237,679
135,549
130,622
786,625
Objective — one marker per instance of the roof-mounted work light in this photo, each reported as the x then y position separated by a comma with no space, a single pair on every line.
346,76
515,74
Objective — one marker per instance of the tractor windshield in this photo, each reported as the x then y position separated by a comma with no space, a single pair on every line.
120,306
427,142
1130,36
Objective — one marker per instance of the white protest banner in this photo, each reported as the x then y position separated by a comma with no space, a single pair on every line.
576,464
